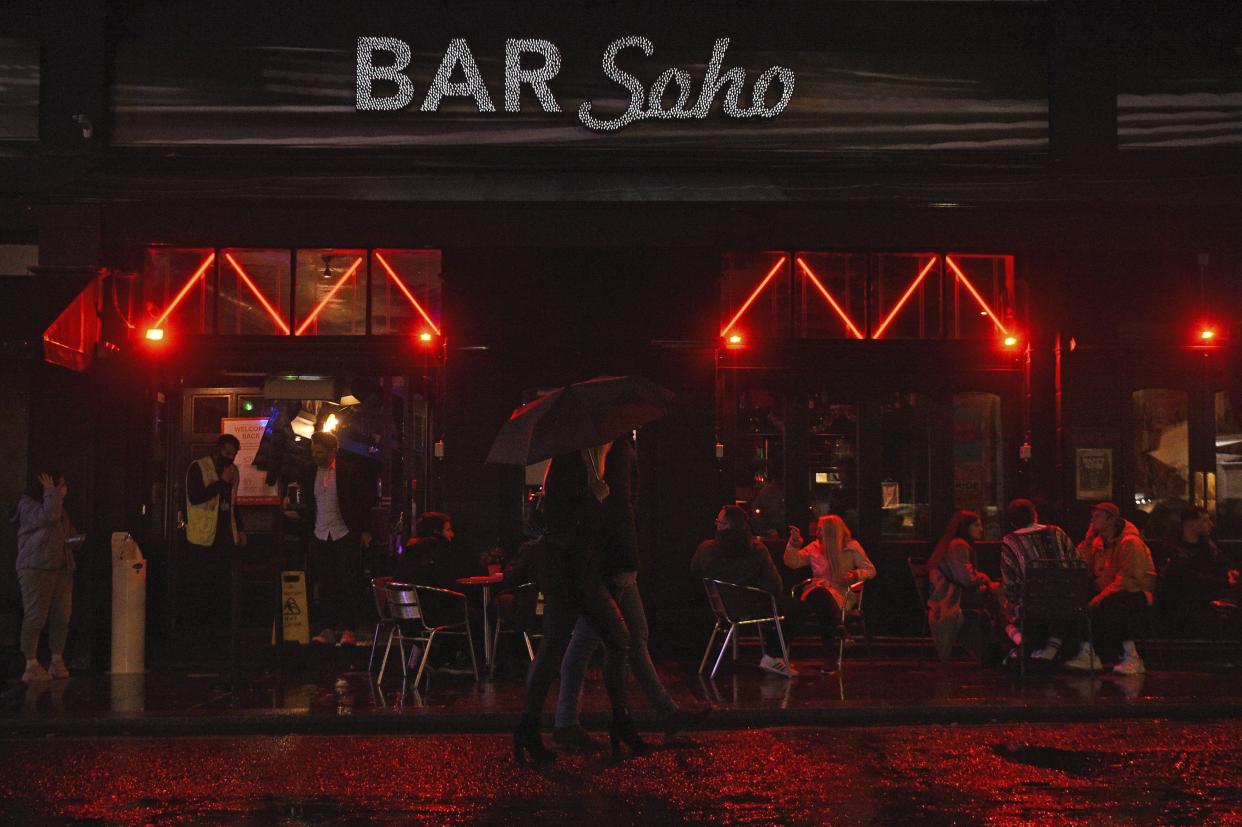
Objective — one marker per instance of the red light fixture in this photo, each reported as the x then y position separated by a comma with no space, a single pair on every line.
734,341
1010,341
406,292
154,334
1207,334
823,291
426,338
314,314
754,295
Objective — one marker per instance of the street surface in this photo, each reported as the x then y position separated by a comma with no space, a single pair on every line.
1128,772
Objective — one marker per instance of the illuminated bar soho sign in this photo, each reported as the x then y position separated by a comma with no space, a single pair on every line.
388,58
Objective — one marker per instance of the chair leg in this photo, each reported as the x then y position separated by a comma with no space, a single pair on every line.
780,635
723,648
474,663
706,652
422,662
734,637
491,667
387,649
530,649
374,645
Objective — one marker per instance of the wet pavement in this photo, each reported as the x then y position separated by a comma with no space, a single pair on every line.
333,693
1119,772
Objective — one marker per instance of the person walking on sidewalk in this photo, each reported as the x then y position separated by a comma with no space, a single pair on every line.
837,562
1030,541
735,556
337,512
45,567
214,535
1125,582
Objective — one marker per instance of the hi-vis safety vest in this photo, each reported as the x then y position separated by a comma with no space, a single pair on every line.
201,519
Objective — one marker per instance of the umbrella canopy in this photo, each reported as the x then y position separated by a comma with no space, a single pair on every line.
578,416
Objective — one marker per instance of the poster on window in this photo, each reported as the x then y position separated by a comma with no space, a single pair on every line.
252,487
1093,473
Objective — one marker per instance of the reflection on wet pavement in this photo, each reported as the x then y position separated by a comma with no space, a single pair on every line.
1122,772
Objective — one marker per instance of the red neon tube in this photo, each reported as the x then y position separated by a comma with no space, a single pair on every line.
754,295
258,294
392,275
198,274
905,298
975,293
828,297
324,301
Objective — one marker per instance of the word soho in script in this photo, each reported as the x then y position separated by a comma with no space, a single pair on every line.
644,103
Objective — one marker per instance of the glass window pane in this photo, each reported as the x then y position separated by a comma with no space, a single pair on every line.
178,288
754,295
759,458
978,470
1228,467
331,293
254,292
905,466
1161,447
906,296
207,411
830,292
406,291
832,458
981,296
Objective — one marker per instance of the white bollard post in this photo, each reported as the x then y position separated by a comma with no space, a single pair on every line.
129,605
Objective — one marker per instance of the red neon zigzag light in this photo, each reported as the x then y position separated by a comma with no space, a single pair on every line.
849,323
198,274
754,295
353,268
271,311
971,288
892,314
405,290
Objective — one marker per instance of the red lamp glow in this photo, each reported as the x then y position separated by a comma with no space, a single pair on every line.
425,337
1010,341
734,340
1207,334
155,334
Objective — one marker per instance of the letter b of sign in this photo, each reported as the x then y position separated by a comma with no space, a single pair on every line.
368,73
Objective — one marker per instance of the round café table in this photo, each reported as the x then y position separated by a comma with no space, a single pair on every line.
485,582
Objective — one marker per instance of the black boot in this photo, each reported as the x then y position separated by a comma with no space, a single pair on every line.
622,730
527,742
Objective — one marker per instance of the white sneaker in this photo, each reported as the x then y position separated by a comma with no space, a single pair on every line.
1130,665
777,666
1085,659
1047,654
35,673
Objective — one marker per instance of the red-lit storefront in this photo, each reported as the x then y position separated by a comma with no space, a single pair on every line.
893,300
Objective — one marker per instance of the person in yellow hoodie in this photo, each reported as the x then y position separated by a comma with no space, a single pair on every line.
1125,582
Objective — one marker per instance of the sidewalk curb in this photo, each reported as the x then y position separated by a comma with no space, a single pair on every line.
433,723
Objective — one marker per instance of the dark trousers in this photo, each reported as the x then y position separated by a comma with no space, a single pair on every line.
565,599
1113,620
818,606
336,571
205,589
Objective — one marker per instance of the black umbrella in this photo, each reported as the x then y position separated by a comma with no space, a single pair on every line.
578,416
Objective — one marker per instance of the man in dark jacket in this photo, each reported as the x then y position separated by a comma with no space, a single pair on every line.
734,556
336,506
1197,577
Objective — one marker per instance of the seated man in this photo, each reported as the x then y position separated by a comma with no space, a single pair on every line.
1197,576
1124,581
734,556
1030,541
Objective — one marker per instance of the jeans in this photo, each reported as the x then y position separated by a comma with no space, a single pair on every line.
1112,620
586,641
47,599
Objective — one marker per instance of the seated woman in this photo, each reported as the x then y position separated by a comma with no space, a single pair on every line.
837,561
956,584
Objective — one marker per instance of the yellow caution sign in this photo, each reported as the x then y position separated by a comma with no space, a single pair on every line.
294,615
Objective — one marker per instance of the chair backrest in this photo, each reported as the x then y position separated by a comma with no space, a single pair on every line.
403,602
1054,589
729,601
379,592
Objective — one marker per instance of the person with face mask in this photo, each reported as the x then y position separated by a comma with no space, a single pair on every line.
213,535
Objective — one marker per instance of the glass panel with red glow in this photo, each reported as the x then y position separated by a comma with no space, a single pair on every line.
830,291
178,288
331,287
832,458
905,463
1161,449
406,292
1228,468
981,296
978,470
754,297
906,296
254,292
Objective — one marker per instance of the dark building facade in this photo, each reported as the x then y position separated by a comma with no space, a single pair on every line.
970,256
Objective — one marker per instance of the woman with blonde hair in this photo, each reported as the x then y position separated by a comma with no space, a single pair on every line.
837,561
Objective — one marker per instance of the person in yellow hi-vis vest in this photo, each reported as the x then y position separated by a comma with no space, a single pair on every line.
213,535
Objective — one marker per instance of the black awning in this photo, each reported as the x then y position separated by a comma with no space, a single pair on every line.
29,305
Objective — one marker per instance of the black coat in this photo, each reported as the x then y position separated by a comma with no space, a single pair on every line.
355,491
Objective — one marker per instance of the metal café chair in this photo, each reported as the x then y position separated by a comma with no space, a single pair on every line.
384,621
1054,590
848,616
731,625
524,592
408,604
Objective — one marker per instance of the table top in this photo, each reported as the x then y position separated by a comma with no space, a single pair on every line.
481,580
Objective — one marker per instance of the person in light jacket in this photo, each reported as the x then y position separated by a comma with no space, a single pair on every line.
955,584
45,567
837,561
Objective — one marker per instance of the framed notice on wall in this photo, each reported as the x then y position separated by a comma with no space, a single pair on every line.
1093,473
252,487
